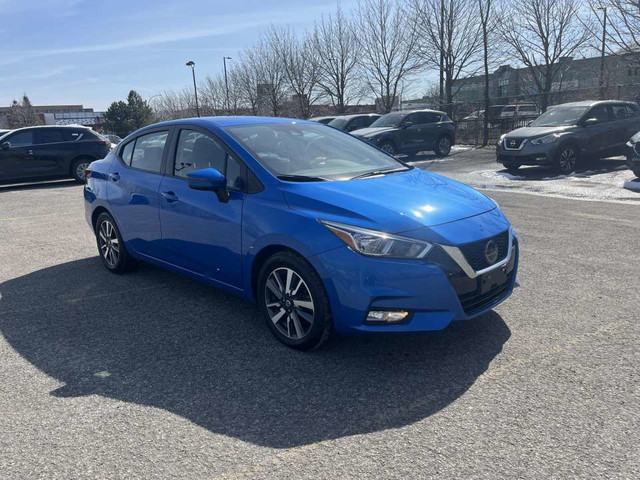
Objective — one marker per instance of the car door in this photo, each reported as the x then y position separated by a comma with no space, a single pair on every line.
201,233
598,134
133,185
51,151
624,125
430,129
411,133
16,156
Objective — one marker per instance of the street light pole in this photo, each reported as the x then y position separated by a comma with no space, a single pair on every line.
192,64
602,52
226,81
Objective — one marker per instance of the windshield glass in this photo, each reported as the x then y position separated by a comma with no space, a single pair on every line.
389,120
339,123
309,150
559,116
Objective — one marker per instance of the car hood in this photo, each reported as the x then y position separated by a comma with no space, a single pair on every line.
529,132
372,131
396,202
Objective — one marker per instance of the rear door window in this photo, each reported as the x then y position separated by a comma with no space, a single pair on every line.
49,135
600,113
620,112
21,139
424,118
148,151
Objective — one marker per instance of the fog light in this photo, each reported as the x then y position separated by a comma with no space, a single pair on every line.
381,316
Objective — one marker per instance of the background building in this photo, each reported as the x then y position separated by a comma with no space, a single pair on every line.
61,115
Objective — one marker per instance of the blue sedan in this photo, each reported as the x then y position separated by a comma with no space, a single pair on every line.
324,231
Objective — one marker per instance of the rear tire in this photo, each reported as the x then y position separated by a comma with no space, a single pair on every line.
294,301
111,248
443,146
78,168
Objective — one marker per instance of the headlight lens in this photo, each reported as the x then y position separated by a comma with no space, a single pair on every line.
546,139
378,244
501,138
635,138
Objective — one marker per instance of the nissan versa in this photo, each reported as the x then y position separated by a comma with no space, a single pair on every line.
323,230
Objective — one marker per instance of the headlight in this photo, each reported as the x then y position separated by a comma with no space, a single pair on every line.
501,138
546,139
378,244
635,139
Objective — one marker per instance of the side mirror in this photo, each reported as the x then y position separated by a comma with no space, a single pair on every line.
407,124
590,121
209,179
6,145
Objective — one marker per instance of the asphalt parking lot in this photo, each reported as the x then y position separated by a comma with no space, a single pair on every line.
154,375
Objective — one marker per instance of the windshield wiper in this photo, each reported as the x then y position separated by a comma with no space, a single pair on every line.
301,178
373,173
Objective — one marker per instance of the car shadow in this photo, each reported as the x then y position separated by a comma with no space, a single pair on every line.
586,170
39,185
158,339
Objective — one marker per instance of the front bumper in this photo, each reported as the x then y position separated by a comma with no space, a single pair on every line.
529,154
435,292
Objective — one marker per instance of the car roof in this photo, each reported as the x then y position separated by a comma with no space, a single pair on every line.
425,110
315,119
230,121
355,115
591,103
75,127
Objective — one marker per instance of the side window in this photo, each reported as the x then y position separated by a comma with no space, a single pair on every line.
49,135
196,150
600,113
21,139
426,117
413,119
619,112
127,152
366,121
147,152
70,135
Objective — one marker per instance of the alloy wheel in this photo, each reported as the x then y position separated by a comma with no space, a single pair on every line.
444,146
80,171
568,159
289,303
388,148
109,243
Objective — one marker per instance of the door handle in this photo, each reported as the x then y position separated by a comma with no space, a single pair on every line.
114,176
30,152
169,197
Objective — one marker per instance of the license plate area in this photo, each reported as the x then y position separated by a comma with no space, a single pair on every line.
492,280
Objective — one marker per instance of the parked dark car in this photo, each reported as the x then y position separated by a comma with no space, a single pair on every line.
411,132
633,154
570,133
349,123
324,120
47,152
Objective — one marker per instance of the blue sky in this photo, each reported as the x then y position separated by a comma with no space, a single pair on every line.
93,52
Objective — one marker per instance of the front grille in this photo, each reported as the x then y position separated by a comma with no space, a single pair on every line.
475,301
474,252
513,143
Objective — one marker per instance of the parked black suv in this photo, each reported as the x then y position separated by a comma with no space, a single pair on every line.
46,152
349,123
411,132
633,154
567,134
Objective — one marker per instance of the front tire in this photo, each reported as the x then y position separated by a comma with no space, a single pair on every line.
112,251
567,159
443,146
294,302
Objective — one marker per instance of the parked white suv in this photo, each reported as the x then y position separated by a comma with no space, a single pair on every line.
520,110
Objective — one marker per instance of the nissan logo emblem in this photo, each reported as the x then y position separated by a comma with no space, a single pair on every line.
491,252
512,143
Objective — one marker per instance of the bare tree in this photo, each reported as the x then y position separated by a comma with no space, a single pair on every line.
451,39
244,78
487,23
623,25
541,33
336,49
298,57
213,95
22,114
171,105
388,45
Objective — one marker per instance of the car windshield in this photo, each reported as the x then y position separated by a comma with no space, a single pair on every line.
389,120
559,116
338,123
305,151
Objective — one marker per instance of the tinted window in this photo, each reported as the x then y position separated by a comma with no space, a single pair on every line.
50,135
620,112
600,113
527,108
426,117
366,121
196,150
559,116
21,139
147,152
389,120
339,123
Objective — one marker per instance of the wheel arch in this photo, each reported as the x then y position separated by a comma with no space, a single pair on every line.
81,156
261,257
96,213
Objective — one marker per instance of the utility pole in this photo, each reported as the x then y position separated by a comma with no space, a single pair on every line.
226,82
602,52
191,64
